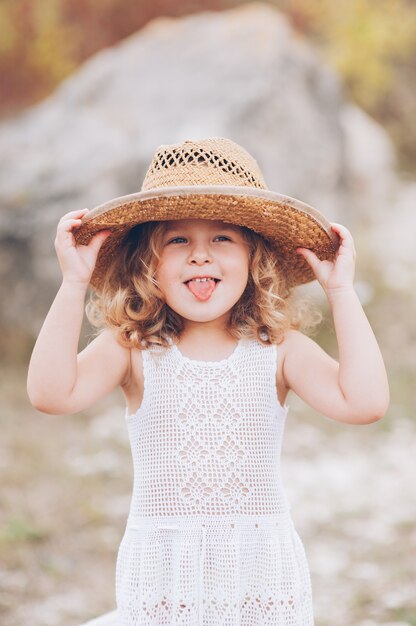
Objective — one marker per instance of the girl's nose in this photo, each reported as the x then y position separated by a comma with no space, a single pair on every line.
200,259
200,256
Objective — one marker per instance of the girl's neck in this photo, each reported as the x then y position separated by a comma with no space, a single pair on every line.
211,341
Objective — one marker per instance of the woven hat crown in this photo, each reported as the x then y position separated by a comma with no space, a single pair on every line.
213,161
214,179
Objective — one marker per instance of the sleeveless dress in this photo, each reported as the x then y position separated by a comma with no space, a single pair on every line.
209,539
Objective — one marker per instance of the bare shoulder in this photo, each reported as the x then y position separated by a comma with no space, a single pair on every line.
136,368
107,348
129,363
293,343
109,337
292,340
282,350
133,386
310,372
132,357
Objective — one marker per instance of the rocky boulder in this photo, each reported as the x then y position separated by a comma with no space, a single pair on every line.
243,74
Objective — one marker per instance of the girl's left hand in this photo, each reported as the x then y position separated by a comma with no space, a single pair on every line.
337,274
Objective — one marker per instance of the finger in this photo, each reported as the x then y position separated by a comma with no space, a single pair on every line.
68,225
341,230
309,256
98,240
79,213
64,234
345,235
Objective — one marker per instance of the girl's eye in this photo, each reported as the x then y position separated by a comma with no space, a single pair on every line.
176,238
184,238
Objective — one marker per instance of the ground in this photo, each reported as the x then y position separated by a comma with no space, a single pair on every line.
66,484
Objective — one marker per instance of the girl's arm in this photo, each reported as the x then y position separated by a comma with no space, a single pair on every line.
60,381
356,389
362,373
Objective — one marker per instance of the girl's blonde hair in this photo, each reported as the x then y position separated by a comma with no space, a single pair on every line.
131,301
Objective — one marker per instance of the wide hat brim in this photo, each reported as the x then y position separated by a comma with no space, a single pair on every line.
285,222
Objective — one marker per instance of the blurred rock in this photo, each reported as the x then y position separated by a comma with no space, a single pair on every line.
243,74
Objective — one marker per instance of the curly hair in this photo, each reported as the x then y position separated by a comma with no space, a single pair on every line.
131,301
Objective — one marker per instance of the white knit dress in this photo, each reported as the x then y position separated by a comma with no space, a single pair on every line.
209,539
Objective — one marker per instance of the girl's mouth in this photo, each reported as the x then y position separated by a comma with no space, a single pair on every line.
202,288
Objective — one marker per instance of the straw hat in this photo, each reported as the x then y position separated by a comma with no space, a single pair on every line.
214,179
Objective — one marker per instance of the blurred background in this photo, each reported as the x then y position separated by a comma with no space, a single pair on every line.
322,94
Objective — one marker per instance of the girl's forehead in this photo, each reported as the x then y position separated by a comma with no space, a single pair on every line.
200,224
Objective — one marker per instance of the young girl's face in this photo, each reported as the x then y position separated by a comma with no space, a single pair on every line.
203,248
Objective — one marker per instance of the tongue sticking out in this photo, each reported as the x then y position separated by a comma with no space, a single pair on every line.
202,290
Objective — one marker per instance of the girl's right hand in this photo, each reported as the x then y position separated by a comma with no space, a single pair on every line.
77,262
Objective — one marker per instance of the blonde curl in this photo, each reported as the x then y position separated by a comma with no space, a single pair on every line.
131,301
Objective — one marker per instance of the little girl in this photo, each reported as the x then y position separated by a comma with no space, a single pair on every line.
192,289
